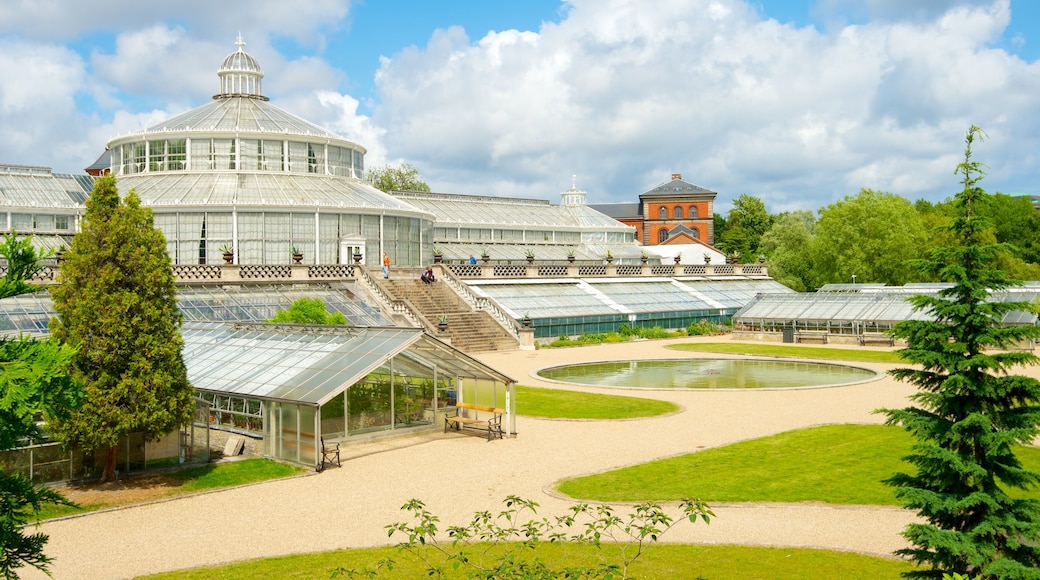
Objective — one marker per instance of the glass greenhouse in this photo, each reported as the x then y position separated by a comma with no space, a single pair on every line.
300,384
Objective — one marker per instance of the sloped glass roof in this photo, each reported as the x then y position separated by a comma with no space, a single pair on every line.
507,212
259,189
259,303
310,364
36,187
243,115
568,298
30,313
871,306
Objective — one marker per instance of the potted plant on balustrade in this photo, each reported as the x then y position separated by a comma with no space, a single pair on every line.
297,255
228,253
357,256
438,257
526,320
484,255
570,256
442,322
530,256
59,254
643,257
609,257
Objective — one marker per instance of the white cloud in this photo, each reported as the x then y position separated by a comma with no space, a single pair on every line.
624,96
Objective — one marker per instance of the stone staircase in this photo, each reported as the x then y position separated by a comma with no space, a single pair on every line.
468,329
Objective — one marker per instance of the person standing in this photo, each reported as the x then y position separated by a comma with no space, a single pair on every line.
386,265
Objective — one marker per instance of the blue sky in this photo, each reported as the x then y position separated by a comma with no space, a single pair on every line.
799,102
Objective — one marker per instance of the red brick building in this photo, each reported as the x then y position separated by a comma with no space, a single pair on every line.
674,212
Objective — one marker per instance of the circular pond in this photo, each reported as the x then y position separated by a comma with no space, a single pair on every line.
708,374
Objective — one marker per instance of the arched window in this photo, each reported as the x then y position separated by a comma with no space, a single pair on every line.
662,235
696,233
677,212
662,214
693,212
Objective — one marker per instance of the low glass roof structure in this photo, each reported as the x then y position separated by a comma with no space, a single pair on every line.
312,364
867,306
260,303
303,385
570,297
30,313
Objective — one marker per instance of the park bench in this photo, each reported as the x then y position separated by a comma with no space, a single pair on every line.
804,335
491,423
876,338
329,454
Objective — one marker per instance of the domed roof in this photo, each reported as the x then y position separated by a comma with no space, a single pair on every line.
240,75
241,60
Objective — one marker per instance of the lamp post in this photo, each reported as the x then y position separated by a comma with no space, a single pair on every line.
853,279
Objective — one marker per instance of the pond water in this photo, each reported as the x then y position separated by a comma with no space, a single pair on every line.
708,374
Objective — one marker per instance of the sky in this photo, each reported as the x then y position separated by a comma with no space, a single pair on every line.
797,102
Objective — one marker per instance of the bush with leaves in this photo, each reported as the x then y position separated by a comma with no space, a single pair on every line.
504,545
309,311
35,382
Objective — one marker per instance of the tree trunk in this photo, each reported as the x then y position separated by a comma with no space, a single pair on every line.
109,474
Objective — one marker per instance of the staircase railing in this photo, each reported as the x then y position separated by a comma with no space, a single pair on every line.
481,303
396,305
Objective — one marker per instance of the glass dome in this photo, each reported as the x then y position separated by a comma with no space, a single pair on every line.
240,75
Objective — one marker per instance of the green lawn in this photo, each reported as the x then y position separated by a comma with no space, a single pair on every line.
191,480
660,562
559,404
840,464
772,349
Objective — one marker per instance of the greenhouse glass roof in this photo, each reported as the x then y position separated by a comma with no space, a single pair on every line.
240,115
875,306
30,313
260,189
256,304
489,211
312,364
37,188
569,297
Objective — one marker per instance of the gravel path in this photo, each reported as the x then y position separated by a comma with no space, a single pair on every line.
457,475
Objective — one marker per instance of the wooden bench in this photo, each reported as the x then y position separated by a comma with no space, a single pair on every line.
804,335
876,338
491,425
329,454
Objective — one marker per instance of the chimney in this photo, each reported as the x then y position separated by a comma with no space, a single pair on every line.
676,176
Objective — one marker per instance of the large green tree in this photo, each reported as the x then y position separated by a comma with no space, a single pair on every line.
969,411
872,235
116,302
35,382
403,177
747,222
786,247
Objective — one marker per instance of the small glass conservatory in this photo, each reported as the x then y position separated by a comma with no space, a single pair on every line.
299,384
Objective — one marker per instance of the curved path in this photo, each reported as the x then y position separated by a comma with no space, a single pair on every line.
456,475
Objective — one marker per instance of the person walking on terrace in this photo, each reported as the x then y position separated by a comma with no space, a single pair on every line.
386,265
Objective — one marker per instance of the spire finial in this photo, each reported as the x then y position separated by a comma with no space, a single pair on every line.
239,42
574,179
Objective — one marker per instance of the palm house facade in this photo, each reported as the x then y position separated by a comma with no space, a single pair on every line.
241,173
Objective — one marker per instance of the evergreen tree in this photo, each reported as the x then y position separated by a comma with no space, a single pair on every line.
116,302
34,380
970,410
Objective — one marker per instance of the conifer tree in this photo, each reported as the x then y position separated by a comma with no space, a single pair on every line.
970,410
116,302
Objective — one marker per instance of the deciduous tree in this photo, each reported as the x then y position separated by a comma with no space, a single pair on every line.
969,410
872,234
116,302
403,177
